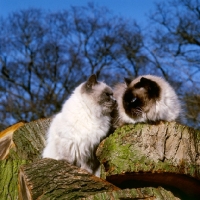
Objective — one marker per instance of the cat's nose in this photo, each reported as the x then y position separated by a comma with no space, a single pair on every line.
114,100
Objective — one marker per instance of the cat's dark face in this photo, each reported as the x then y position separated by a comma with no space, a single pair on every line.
140,97
101,94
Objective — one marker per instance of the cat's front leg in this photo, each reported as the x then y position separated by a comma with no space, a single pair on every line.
98,172
93,167
87,168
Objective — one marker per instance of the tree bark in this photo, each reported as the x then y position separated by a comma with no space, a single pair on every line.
52,179
19,144
6,142
9,178
29,140
166,154
156,161
148,193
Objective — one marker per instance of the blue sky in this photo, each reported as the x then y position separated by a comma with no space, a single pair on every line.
136,9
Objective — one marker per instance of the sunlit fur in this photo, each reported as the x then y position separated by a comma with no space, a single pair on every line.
83,122
155,100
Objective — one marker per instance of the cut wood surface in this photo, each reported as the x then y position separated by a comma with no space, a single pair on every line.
29,140
19,144
153,155
52,179
6,141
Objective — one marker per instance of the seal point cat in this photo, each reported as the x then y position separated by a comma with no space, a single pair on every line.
145,99
83,122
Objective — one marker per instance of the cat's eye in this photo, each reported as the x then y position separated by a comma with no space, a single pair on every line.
133,100
109,94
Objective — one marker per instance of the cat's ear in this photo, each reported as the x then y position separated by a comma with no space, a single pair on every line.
151,86
145,80
92,80
127,81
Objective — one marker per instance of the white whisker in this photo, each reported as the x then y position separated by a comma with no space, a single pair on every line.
137,111
117,120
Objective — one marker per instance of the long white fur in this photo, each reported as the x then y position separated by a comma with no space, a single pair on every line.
77,129
167,108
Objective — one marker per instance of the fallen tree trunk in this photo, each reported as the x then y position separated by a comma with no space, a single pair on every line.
6,141
24,140
52,179
19,144
29,140
144,155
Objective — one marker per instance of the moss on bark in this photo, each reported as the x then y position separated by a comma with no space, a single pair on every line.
142,154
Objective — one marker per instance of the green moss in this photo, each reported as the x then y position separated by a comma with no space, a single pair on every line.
157,193
140,193
121,153
9,178
147,191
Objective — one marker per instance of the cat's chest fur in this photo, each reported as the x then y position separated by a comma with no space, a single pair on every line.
79,125
82,125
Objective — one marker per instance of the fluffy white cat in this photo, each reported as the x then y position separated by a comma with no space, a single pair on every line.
83,122
146,98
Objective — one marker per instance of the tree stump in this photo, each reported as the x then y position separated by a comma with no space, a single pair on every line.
142,155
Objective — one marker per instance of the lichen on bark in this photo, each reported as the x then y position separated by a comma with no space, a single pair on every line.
146,148
164,153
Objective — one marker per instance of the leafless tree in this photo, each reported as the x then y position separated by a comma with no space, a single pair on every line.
192,104
44,56
175,48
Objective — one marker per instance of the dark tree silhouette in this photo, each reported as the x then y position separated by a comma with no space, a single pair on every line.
44,56
175,50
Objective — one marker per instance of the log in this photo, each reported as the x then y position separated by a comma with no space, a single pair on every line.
52,179
20,144
24,140
148,193
9,178
139,157
6,141
142,155
29,140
